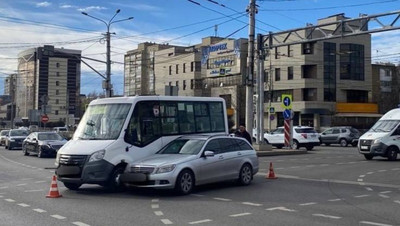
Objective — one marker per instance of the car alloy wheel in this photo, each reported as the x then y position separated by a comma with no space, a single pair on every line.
245,175
185,182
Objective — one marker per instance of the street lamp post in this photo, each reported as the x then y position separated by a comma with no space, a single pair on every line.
108,86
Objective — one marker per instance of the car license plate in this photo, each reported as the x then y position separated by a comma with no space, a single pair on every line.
364,147
313,136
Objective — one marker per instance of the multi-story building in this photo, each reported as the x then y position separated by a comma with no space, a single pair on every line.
330,81
48,82
385,86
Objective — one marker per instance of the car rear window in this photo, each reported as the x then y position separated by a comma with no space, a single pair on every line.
243,145
354,130
305,130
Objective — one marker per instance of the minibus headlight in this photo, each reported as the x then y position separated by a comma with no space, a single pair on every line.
165,169
98,155
377,141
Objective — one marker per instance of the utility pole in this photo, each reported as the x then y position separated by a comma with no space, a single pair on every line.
250,68
260,91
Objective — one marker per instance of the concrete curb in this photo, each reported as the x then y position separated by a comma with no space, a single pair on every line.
281,152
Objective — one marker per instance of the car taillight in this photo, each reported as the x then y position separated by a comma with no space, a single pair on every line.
304,135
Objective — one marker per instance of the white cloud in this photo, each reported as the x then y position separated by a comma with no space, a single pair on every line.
65,6
43,4
92,8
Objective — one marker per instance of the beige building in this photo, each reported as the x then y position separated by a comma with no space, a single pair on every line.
330,81
48,82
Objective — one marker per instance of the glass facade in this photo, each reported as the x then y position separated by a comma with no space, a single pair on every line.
352,62
329,71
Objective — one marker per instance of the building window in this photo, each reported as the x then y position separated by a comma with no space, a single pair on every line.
228,100
191,66
308,48
184,84
290,51
177,68
329,71
57,83
177,83
290,73
352,62
57,64
170,70
277,53
357,96
56,112
57,92
169,83
191,83
310,94
184,68
197,66
57,101
277,74
58,74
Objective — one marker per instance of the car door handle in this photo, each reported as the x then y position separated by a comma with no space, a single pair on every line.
239,153
221,157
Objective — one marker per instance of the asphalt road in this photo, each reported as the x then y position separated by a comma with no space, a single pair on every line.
326,186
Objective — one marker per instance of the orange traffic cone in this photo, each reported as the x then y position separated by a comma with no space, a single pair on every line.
271,174
53,193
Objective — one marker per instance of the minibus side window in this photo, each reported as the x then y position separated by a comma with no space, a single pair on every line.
396,132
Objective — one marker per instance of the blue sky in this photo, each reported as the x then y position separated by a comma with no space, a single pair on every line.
28,23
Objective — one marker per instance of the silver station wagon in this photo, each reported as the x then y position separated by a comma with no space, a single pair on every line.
194,160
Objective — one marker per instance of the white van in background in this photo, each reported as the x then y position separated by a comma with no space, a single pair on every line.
383,139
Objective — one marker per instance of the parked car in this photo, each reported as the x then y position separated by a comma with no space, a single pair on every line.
43,143
303,136
189,161
342,135
3,137
15,138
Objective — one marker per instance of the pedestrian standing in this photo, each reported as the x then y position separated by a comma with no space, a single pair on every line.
243,133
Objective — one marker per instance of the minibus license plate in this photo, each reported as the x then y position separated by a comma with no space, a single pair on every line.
364,147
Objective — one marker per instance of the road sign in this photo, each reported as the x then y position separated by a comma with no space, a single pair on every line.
287,101
287,114
44,118
272,110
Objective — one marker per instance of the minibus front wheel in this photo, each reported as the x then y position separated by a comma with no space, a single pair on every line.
72,186
392,153
368,157
113,183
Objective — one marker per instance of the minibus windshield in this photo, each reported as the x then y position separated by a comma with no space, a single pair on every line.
385,126
102,122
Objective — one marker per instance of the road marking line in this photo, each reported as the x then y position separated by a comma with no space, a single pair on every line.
362,183
10,200
240,214
26,178
39,210
327,216
281,208
155,206
340,163
80,223
34,190
1,196
351,162
40,181
197,195
3,187
200,222
23,205
251,204
334,200
397,201
158,213
18,185
370,173
324,165
308,204
361,196
396,169
166,221
279,168
155,200
384,196
58,217
374,223
359,179
381,171
385,192
222,199
362,175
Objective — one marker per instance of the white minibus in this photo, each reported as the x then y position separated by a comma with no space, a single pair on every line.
383,139
116,131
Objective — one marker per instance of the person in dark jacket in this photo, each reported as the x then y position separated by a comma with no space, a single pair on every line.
243,133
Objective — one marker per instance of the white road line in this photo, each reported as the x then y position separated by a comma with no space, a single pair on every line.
308,204
340,163
197,195
334,200
155,200
324,165
80,223
374,223
385,192
396,169
3,187
361,196
38,190
222,199
359,179
384,196
362,176
295,167
1,196
40,181
397,201
281,208
362,183
158,213
251,204
370,173
23,205
381,171
155,206
200,222
326,216
58,217
369,189
240,214
351,162
166,221
10,200
39,210
18,185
